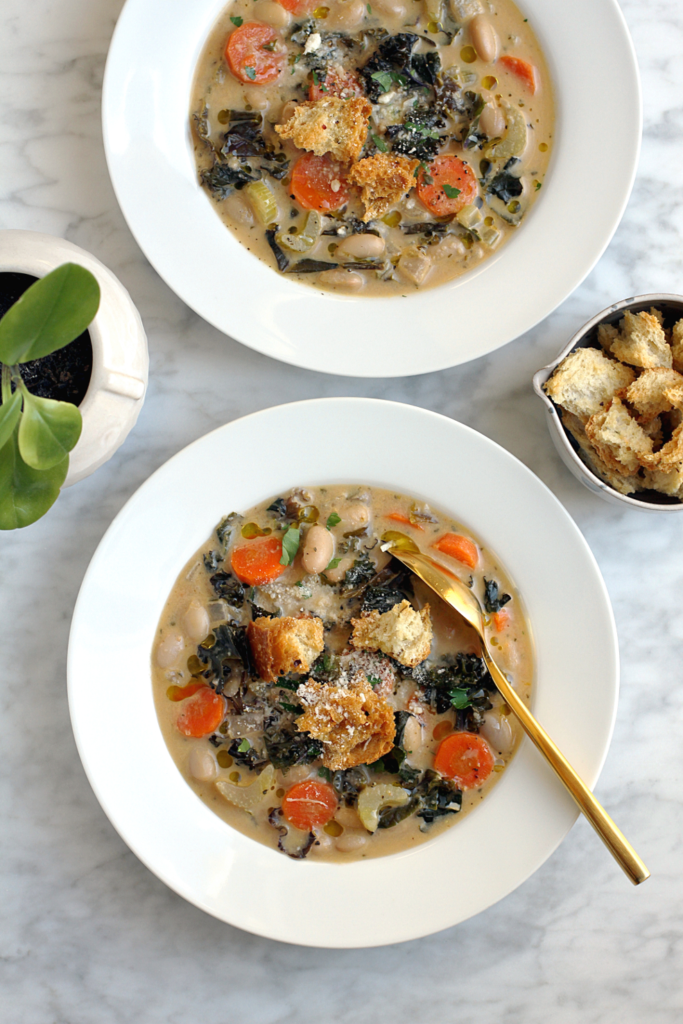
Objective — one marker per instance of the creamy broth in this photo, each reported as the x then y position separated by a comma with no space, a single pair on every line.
257,717
479,108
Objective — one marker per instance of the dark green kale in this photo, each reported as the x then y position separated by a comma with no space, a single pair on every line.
280,258
222,179
278,508
505,186
428,228
248,758
260,613
426,67
381,599
462,683
228,649
349,782
286,746
309,266
225,528
393,761
390,66
345,225
430,797
212,559
244,137
360,573
227,586
418,137
290,682
493,599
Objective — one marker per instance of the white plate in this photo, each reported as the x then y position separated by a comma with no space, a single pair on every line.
146,134
474,863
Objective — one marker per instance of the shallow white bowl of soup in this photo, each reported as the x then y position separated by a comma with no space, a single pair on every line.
146,103
369,902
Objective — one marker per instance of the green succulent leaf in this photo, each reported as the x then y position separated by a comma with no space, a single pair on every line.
50,314
48,431
9,415
26,494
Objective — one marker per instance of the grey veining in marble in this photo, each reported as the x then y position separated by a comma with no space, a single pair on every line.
87,934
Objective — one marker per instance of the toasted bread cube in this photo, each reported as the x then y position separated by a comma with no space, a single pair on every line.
669,456
402,633
586,380
284,645
329,125
665,481
383,180
619,440
354,724
642,342
607,335
618,482
677,346
648,394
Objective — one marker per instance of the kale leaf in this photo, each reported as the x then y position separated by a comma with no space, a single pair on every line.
505,186
280,258
212,559
430,798
462,683
221,179
348,783
360,573
493,599
286,746
418,137
248,758
227,586
230,646
381,599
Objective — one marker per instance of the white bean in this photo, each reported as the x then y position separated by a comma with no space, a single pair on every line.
355,515
318,549
169,650
299,773
272,14
484,38
347,817
412,736
362,247
254,97
238,209
492,121
196,621
338,574
202,764
392,8
351,841
345,15
497,729
340,278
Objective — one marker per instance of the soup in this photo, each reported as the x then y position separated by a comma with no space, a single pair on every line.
372,148
316,695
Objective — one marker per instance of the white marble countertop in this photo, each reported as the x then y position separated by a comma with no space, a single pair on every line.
87,934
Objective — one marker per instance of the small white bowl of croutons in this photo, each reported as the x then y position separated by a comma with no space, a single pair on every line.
614,397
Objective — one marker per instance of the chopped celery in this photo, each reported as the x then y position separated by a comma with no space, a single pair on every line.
262,201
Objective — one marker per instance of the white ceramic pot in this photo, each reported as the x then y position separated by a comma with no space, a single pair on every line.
120,359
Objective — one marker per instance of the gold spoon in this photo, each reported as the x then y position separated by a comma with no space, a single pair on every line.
455,593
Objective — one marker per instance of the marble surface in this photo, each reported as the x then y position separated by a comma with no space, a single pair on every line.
87,934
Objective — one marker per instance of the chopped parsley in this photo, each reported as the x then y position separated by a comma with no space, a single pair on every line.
291,539
244,746
332,520
385,79
379,142
451,191
537,185
250,73
237,20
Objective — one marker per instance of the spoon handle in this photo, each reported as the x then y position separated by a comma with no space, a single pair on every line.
612,837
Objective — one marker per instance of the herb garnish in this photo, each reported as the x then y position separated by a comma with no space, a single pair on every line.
250,73
451,191
332,520
237,20
379,142
290,544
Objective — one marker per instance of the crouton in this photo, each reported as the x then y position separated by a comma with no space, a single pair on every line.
677,346
383,180
618,482
647,394
641,341
354,724
284,645
671,454
586,380
329,125
665,481
402,633
619,440
607,335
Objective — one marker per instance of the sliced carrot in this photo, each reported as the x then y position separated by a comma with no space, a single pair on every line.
398,517
258,561
465,758
446,186
456,546
251,54
202,714
523,69
337,82
298,6
177,693
501,620
309,804
318,183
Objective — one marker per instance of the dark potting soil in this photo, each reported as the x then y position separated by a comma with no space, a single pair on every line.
64,375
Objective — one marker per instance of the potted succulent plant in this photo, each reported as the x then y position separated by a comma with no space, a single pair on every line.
37,433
